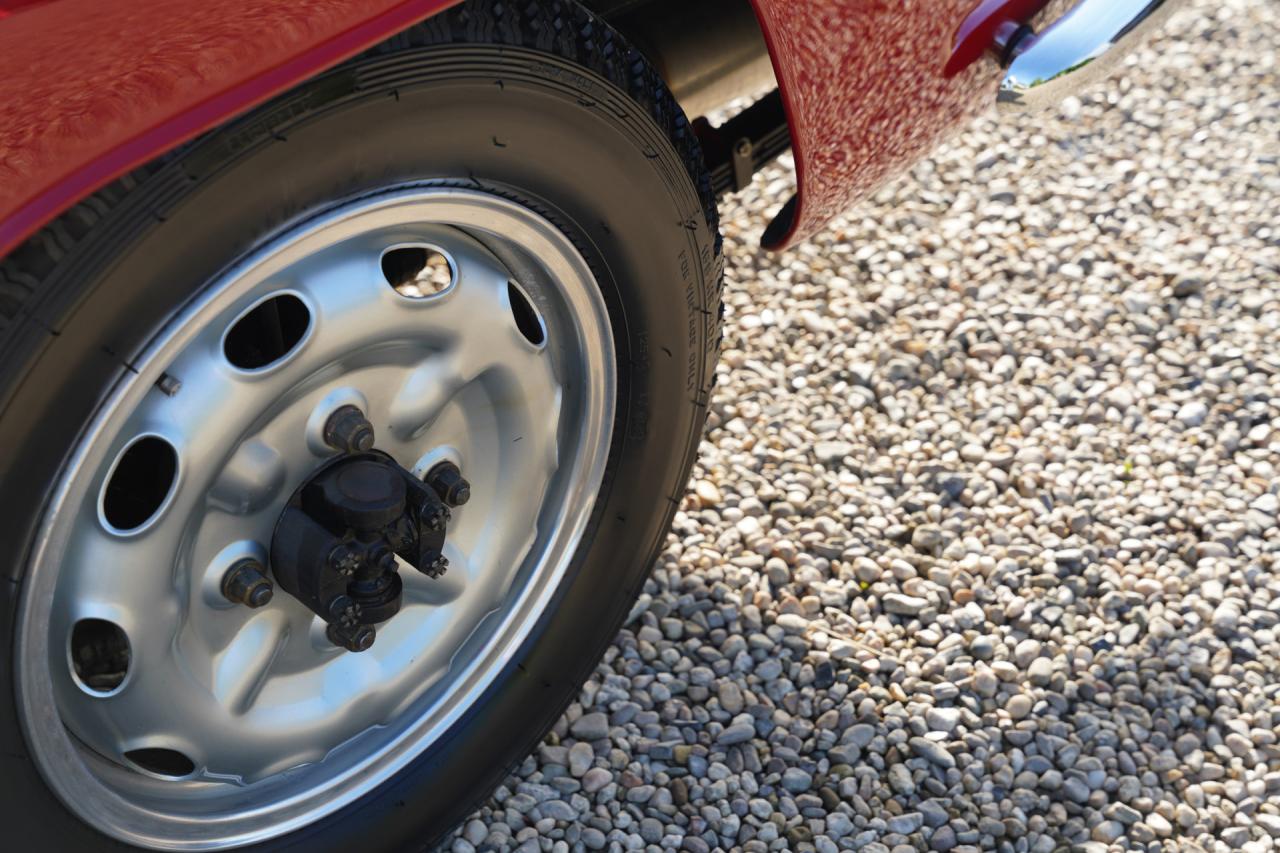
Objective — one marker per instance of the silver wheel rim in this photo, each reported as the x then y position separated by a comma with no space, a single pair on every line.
248,694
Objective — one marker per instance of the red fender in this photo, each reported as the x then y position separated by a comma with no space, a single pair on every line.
92,88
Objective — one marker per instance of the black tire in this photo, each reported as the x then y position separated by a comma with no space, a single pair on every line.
538,100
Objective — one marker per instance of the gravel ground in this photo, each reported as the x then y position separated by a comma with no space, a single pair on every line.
981,552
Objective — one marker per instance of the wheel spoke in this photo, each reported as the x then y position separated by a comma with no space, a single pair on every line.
131,575
251,479
241,670
423,395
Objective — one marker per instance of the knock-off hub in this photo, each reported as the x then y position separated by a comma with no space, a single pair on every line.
336,542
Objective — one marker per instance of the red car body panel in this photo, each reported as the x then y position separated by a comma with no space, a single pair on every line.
870,88
92,88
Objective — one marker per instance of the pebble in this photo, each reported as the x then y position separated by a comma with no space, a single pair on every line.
1040,672
1025,652
900,779
1019,706
934,813
1075,790
1159,824
1107,831
730,696
905,824
932,751
796,780
708,493
581,757
903,605
590,727
942,719
737,733
1193,414
595,779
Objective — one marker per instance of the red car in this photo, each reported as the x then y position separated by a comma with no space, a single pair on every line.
354,355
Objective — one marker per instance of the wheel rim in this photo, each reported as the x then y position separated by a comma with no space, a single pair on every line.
507,372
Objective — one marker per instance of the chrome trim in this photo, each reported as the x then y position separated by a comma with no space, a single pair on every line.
1080,47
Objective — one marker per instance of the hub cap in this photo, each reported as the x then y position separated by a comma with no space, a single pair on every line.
469,330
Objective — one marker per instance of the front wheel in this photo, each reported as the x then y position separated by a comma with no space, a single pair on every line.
352,429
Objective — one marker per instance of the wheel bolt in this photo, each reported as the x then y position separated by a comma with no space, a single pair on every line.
449,484
357,639
342,608
246,583
435,518
343,559
348,430
437,567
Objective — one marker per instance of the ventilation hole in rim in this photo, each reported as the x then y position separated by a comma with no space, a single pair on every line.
162,762
140,482
417,271
99,654
527,318
268,333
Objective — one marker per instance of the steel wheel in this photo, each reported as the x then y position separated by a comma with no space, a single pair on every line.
195,723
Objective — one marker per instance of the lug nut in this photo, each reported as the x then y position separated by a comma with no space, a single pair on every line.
348,430
357,639
246,583
449,484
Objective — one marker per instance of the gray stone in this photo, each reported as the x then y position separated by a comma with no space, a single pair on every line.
905,823
581,756
903,605
730,696
932,751
900,779
1075,790
595,779
942,719
1019,706
796,780
934,813
737,733
590,727
944,839
838,825
1040,672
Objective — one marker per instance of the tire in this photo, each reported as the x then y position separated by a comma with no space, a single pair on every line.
542,105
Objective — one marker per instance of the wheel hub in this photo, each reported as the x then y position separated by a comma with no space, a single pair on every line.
336,544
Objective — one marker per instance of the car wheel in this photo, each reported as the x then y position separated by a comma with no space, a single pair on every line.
478,266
